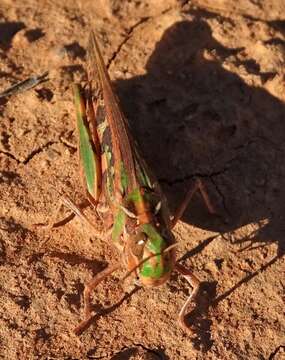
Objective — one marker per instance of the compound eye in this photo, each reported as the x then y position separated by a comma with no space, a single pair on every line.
138,244
140,239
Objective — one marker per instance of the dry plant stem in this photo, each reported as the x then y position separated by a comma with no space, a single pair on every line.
198,185
25,85
87,295
74,208
63,202
195,284
77,211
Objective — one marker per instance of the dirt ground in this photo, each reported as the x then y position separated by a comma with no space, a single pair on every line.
202,83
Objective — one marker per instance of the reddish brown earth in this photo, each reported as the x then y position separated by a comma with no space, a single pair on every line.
202,84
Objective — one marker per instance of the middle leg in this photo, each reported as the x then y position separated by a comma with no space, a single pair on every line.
198,185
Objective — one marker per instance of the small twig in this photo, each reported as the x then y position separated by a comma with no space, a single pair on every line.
25,85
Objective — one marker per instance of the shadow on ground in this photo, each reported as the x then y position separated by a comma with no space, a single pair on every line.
194,118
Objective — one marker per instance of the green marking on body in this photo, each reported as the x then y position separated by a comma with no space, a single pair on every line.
118,227
155,244
87,154
135,195
153,271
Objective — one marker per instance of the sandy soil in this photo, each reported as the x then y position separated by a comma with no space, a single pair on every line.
202,84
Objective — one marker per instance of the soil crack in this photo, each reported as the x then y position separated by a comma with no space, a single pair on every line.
129,33
219,191
126,38
184,178
30,156
11,156
272,355
37,151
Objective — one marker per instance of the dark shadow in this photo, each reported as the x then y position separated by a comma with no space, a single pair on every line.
44,94
7,31
22,300
74,298
3,253
194,118
75,50
11,226
41,334
10,177
198,320
3,102
34,34
5,141
278,25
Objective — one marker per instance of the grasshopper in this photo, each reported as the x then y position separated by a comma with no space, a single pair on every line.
124,192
